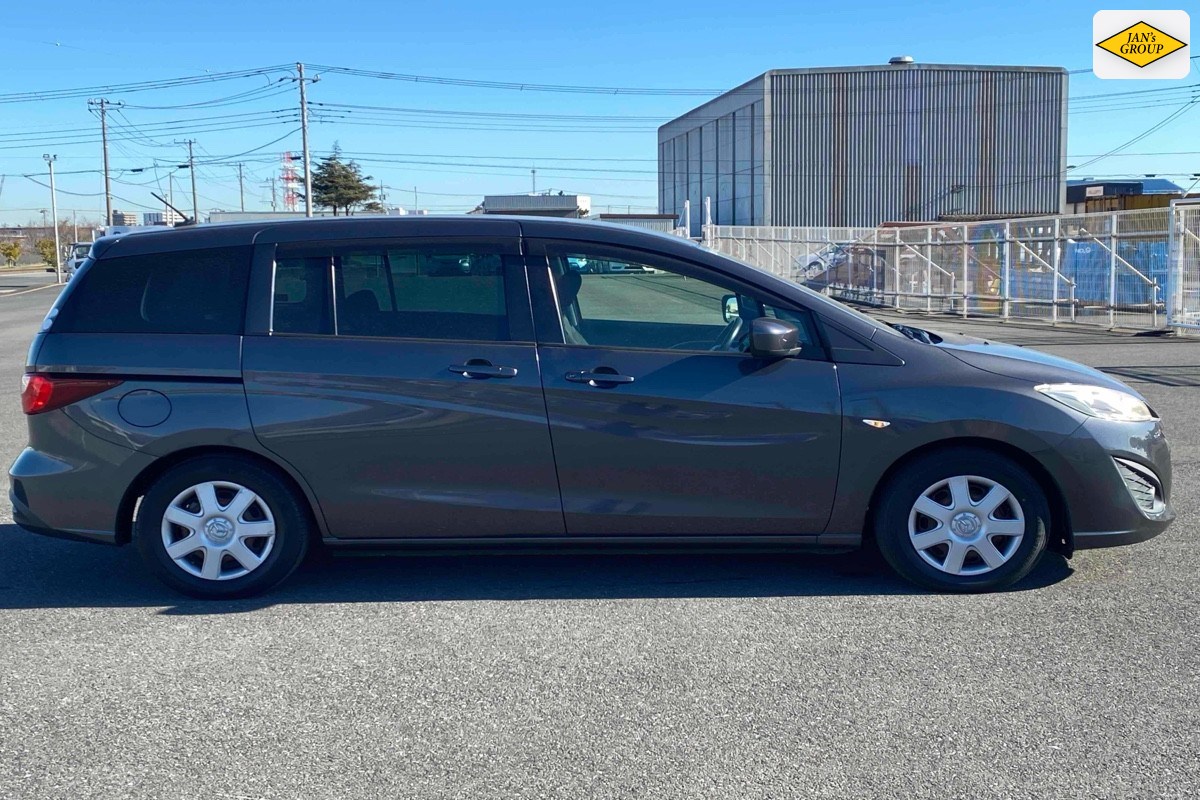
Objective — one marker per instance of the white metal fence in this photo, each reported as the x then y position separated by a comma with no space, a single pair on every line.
1183,287
1138,269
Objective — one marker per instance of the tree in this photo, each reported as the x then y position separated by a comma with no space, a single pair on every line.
10,252
339,184
46,249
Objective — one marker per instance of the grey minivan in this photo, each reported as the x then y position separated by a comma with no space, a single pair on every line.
226,396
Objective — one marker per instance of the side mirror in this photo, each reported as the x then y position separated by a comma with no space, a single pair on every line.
773,338
729,307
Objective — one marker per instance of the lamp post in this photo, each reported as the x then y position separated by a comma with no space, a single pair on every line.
50,159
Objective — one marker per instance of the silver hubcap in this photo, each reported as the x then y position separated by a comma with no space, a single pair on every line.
966,525
218,530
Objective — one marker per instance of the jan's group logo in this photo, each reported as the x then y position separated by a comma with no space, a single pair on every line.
1141,44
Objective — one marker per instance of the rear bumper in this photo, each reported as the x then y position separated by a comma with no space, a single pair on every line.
71,484
28,522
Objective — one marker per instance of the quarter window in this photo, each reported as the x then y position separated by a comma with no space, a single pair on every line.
189,291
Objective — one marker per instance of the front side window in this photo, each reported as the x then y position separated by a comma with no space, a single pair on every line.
420,292
611,299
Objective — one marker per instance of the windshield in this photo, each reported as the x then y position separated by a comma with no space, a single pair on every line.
81,250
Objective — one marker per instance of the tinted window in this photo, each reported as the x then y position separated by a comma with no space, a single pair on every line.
426,292
607,299
302,295
191,291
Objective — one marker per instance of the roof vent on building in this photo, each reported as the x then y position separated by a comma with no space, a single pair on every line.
900,60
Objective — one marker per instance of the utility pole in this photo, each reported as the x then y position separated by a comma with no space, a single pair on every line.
192,169
382,196
416,205
241,186
304,141
104,105
50,159
75,226
533,179
271,184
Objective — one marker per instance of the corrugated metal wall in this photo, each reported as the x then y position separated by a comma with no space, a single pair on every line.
865,145
860,147
716,151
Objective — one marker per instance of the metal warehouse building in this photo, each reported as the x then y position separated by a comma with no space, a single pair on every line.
858,146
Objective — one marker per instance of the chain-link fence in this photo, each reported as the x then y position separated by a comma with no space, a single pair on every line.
1108,269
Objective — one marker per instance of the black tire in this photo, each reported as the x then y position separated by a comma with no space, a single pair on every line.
292,528
900,494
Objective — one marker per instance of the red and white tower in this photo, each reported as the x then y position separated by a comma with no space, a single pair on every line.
290,178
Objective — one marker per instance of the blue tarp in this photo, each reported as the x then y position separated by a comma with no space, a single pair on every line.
1088,264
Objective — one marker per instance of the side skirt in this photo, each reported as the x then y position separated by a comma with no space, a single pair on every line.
834,543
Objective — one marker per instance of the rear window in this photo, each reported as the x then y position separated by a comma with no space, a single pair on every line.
191,291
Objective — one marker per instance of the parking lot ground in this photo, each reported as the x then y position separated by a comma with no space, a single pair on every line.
684,675
16,281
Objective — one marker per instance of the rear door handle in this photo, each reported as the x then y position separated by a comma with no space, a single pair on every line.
482,368
601,376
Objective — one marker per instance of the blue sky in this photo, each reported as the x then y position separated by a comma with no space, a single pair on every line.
694,45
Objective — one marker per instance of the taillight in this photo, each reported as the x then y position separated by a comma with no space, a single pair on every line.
45,392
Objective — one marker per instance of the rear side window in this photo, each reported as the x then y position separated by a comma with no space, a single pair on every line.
433,291
191,291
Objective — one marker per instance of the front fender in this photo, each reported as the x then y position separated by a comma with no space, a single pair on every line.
923,407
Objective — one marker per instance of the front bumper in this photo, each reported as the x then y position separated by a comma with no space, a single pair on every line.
1102,508
1088,540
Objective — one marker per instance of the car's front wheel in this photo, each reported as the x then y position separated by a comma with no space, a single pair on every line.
221,527
962,519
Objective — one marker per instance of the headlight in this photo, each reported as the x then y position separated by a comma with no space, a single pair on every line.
1098,401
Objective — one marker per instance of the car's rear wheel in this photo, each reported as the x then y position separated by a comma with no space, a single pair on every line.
221,527
962,519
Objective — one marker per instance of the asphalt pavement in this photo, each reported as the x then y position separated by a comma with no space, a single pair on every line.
739,676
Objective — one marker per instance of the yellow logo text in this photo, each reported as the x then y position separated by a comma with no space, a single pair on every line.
1141,44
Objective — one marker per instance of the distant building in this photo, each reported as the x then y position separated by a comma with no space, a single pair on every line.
1090,194
258,216
125,218
859,146
537,205
664,223
167,217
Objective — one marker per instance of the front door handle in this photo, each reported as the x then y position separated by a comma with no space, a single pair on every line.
604,377
482,368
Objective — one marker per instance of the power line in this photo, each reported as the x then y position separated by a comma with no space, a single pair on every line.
214,160
156,127
138,86
271,90
1166,121
526,158
212,128
523,87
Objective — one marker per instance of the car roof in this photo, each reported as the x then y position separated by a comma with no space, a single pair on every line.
227,234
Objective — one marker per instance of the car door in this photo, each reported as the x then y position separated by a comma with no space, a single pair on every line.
660,427
400,378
